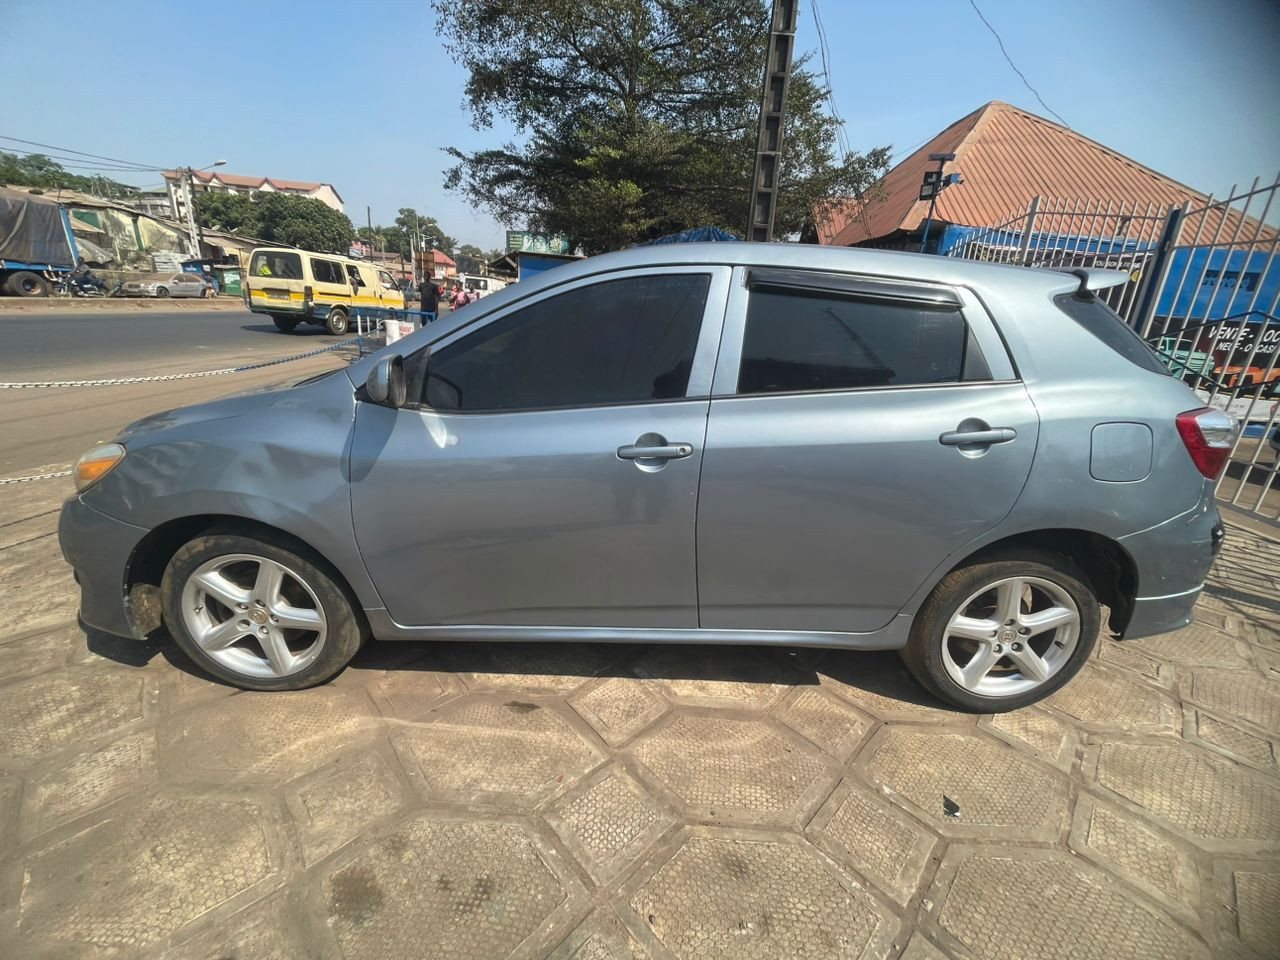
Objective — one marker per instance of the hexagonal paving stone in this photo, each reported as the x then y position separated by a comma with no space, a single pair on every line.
408,694
880,684
1202,795
1100,699
32,654
725,897
619,708
450,889
263,931
55,710
1199,644
263,736
1133,850
827,720
1230,739
1240,694
513,748
1045,736
341,802
714,676
535,667
1125,656
145,871
879,841
742,769
600,937
1044,906
91,779
1248,893
609,823
998,791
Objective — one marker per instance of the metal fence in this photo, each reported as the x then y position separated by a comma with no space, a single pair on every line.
1204,290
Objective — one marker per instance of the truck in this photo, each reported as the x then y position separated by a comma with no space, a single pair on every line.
36,242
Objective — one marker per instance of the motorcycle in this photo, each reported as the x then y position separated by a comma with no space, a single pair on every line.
83,284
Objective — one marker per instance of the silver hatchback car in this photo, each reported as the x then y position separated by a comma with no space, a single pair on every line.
710,443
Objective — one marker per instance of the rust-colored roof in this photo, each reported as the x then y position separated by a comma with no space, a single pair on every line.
1006,157
236,180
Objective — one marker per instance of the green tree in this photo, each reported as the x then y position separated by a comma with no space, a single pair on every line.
639,117
470,250
278,218
37,170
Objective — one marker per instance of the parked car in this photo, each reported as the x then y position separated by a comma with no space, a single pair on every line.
719,443
166,285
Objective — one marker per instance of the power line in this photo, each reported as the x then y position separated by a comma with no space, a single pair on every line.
81,153
824,52
73,162
1009,59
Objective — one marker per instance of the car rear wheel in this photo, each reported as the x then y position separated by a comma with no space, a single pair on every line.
1003,632
336,322
162,291
24,283
284,324
259,613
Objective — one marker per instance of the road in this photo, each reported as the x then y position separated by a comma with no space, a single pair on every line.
45,429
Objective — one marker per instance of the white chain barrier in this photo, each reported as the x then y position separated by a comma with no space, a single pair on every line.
120,381
38,476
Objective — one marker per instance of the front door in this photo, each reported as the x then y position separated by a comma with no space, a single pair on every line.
838,472
547,473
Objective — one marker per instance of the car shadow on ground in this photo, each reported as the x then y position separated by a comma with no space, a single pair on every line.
301,330
879,674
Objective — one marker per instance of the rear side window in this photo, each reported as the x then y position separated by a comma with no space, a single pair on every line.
326,271
1101,321
618,341
805,340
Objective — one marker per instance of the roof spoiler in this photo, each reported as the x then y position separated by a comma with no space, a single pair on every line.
1094,279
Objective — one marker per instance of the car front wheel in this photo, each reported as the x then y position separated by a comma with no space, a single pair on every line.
259,613
1003,632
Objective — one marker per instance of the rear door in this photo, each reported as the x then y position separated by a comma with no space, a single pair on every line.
837,473
330,285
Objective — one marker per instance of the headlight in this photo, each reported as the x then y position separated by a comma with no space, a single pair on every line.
96,464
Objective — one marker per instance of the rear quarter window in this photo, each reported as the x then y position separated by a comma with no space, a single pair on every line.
1101,321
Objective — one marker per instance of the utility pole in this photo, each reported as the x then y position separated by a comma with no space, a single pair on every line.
188,201
773,108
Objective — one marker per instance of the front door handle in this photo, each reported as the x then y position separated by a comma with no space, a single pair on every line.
666,451
964,438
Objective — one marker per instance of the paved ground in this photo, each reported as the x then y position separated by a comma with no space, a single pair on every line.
596,802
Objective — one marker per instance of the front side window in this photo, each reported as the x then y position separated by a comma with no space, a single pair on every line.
326,271
804,340
619,341
353,275
385,279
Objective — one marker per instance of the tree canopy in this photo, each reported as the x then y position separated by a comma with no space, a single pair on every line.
37,170
277,218
639,117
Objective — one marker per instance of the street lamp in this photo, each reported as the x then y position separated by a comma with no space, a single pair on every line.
188,200
934,183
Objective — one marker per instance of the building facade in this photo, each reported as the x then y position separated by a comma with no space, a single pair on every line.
215,182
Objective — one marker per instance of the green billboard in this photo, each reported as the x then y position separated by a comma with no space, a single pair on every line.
522,241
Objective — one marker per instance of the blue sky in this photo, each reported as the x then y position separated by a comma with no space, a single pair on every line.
364,95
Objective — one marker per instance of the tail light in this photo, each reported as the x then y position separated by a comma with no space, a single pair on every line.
1207,434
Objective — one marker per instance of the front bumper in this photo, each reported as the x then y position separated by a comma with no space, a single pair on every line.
1173,560
98,548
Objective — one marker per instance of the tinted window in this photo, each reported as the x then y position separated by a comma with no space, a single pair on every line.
353,275
1100,320
276,264
620,341
804,340
326,271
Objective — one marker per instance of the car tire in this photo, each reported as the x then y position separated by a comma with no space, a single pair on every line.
284,324
162,291
203,622
1045,584
24,283
336,322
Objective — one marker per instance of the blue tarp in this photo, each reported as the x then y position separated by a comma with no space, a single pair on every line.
693,235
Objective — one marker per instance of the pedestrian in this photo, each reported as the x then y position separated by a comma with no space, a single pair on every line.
428,298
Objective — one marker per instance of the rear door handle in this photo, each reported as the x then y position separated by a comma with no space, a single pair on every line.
668,451
963,438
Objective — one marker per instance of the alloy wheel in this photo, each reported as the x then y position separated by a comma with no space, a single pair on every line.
1011,636
254,615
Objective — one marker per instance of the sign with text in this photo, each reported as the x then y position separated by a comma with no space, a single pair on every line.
522,241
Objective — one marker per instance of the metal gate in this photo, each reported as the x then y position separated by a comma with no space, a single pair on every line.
1204,291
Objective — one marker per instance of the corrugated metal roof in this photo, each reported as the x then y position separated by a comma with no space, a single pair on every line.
1006,157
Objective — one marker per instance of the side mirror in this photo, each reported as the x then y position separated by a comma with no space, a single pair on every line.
385,384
